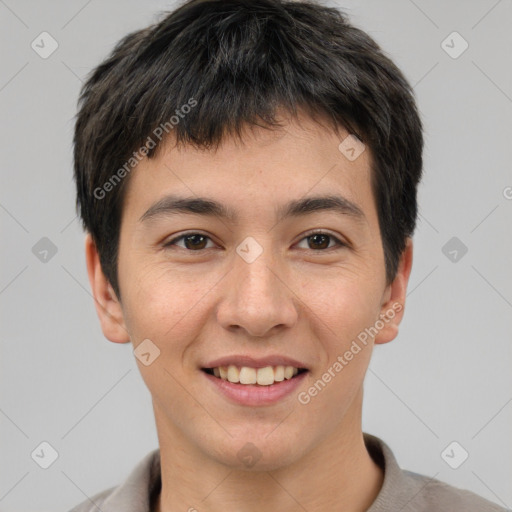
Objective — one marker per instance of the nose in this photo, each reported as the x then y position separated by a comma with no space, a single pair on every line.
257,298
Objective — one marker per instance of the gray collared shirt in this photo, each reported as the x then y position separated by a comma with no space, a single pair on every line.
402,491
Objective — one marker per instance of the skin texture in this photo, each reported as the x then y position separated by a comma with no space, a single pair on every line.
295,299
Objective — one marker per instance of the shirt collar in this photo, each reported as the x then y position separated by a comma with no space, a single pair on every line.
395,492
137,492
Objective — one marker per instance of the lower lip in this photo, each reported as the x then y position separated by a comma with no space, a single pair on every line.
254,394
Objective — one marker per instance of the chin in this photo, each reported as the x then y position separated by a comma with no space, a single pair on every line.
258,453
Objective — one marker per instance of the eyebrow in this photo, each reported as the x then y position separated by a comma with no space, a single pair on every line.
173,204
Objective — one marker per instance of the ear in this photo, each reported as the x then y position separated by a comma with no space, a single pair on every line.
393,304
107,304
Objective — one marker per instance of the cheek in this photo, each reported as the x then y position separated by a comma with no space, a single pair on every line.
162,305
341,315
164,308
343,305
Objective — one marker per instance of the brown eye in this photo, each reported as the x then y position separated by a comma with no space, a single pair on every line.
320,241
192,241
195,241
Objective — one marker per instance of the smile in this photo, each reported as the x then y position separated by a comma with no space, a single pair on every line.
246,375
252,387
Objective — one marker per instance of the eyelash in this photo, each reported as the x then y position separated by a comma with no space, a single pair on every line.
339,243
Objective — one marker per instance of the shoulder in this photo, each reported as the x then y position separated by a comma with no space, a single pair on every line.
432,494
94,503
133,495
408,491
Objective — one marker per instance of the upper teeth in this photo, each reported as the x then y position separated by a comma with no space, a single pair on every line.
262,376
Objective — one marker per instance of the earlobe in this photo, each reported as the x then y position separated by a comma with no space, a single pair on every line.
107,304
392,309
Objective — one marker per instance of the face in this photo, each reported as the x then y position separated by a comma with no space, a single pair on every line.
265,279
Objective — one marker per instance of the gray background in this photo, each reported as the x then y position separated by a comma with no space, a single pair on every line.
447,377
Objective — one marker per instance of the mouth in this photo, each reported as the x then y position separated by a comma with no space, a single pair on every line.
246,375
255,386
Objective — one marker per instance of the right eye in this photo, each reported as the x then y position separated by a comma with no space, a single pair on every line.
192,241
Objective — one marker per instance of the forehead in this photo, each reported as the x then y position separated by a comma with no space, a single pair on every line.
265,168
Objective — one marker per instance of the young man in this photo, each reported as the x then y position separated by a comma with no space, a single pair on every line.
247,174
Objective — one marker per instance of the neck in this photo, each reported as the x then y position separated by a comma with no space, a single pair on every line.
337,474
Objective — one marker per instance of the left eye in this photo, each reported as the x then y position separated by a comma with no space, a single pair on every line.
198,241
321,240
